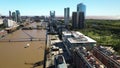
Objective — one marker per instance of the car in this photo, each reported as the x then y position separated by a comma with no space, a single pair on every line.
59,62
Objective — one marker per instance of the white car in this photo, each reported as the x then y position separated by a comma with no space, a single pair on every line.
59,62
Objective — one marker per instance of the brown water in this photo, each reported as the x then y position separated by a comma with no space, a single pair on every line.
15,55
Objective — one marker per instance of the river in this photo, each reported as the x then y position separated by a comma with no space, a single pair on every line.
15,54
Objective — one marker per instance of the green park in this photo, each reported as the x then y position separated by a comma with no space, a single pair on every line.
105,32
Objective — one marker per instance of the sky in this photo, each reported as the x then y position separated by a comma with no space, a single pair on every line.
42,7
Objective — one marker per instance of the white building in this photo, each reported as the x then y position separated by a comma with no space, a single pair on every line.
75,39
66,34
10,23
1,21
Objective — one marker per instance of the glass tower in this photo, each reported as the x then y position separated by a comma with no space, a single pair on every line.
18,15
81,12
66,15
81,8
13,16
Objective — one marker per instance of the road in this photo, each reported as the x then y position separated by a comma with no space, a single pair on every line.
57,43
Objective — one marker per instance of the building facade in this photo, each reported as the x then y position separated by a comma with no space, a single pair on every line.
78,18
81,8
14,16
10,15
83,58
18,18
9,23
109,59
75,39
52,15
66,15
74,20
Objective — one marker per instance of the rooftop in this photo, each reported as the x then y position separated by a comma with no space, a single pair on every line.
80,38
110,53
89,58
66,33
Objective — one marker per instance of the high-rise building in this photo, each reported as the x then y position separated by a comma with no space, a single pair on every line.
66,15
80,20
18,18
10,14
14,16
74,20
81,9
52,15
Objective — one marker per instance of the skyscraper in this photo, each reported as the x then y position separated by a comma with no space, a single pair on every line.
80,20
52,14
81,10
18,18
74,20
66,15
10,14
14,16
